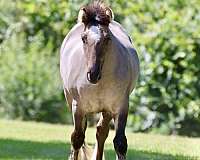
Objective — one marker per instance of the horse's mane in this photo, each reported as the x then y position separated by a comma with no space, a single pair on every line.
96,12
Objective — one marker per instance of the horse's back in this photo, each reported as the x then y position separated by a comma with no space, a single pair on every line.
71,56
120,33
72,36
128,52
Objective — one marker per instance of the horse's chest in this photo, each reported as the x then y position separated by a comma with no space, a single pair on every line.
101,98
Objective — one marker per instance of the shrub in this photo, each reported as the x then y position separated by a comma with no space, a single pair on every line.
167,36
29,81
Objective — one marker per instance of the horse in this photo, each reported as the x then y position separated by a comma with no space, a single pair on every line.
99,69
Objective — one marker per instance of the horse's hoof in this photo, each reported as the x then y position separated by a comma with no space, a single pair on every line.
73,155
121,157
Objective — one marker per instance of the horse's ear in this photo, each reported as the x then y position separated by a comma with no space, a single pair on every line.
110,13
82,15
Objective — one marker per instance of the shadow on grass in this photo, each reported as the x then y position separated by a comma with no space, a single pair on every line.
18,149
145,155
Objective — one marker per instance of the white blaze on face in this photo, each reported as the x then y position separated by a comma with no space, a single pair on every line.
95,33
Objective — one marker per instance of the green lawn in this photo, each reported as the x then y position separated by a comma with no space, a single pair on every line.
30,140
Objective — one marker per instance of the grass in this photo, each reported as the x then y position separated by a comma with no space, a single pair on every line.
40,141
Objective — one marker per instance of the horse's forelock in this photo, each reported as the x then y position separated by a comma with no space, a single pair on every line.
96,12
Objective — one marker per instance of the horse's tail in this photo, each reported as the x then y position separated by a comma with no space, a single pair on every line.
85,152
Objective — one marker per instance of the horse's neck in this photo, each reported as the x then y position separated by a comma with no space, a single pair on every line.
110,58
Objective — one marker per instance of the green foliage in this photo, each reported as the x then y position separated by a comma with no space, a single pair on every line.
30,82
166,35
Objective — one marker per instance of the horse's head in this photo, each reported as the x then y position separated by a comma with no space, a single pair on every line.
95,38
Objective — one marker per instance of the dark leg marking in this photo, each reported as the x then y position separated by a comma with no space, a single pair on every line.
77,139
120,141
120,144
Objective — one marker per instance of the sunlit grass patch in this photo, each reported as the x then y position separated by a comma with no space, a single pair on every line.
30,140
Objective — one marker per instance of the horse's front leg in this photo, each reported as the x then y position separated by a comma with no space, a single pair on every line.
101,135
78,135
120,141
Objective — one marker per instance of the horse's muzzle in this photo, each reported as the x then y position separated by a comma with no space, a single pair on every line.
94,76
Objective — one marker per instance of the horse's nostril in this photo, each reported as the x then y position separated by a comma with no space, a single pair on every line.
88,76
93,77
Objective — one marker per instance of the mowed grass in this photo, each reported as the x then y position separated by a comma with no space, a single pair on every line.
40,141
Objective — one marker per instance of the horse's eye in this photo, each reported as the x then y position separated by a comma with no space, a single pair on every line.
107,37
84,38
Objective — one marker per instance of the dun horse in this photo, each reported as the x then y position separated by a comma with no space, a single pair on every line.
99,68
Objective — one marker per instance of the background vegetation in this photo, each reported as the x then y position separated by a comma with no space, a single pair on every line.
166,35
